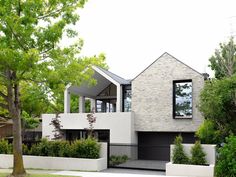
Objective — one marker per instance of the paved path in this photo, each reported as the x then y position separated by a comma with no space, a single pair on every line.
114,173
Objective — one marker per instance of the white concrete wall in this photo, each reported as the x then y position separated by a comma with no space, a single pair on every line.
152,96
189,170
120,124
59,163
209,149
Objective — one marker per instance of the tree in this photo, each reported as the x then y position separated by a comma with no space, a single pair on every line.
218,105
198,155
223,62
30,52
179,156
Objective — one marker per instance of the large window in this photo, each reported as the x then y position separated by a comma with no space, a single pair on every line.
182,99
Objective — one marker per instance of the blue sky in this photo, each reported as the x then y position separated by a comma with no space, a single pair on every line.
133,33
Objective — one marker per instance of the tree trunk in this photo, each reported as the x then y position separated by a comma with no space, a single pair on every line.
14,110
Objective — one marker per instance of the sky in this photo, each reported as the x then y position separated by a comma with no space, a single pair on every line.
134,33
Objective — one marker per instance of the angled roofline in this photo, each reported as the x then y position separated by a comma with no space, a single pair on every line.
111,76
166,53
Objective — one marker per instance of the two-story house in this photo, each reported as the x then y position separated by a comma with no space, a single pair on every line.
139,117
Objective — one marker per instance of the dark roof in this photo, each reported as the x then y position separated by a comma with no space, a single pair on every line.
166,53
117,78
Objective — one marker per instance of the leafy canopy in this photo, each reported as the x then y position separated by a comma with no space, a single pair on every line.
218,104
223,62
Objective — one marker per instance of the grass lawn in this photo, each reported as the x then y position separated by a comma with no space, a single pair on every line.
37,175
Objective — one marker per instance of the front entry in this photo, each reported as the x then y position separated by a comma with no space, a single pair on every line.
156,145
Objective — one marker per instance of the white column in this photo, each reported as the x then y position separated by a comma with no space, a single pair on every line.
81,104
66,101
92,104
119,98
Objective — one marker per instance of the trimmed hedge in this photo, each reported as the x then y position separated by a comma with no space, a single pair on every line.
84,148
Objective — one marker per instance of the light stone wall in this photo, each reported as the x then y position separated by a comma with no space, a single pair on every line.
152,96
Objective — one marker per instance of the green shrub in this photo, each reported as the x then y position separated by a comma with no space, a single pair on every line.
226,163
198,156
179,157
41,149
5,148
116,160
85,148
208,134
25,149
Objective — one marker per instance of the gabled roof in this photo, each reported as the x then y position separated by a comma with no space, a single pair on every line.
117,78
166,53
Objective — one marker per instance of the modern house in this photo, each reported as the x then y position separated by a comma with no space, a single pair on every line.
139,117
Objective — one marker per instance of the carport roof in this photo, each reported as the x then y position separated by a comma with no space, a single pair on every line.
103,77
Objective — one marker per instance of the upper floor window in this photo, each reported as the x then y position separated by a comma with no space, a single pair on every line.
127,98
182,99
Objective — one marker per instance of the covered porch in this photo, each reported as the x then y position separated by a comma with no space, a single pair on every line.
111,93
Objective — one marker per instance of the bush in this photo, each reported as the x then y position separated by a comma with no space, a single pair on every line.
198,156
116,160
25,149
85,148
5,148
208,134
226,163
179,157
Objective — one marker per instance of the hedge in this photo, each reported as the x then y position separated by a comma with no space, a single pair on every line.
83,148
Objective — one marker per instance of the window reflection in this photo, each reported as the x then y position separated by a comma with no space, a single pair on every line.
183,99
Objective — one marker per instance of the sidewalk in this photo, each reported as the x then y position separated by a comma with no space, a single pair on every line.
106,173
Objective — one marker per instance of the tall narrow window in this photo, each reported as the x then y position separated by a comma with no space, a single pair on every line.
127,98
182,99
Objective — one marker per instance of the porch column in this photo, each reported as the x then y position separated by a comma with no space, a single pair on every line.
119,98
92,104
66,101
81,104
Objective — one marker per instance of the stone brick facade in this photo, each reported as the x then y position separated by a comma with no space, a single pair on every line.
152,96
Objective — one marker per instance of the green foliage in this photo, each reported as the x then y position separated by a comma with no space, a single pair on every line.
208,134
223,62
86,148
179,156
198,156
218,104
5,148
116,160
226,162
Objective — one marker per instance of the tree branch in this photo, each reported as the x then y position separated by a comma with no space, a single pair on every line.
4,106
16,37
3,96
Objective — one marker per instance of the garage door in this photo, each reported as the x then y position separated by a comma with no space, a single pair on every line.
156,146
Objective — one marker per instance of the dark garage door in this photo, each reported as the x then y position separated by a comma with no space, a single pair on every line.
156,146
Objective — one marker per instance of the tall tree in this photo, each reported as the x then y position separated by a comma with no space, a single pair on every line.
218,105
223,62
30,52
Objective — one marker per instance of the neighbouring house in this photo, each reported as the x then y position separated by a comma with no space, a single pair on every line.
5,129
139,117
28,135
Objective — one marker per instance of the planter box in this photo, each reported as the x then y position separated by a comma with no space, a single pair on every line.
193,170
189,170
59,163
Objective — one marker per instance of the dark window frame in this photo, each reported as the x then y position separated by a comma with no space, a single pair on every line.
174,100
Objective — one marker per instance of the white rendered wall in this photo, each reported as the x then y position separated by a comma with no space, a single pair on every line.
120,124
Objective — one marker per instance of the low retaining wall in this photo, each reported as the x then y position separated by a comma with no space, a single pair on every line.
189,170
59,163
193,170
